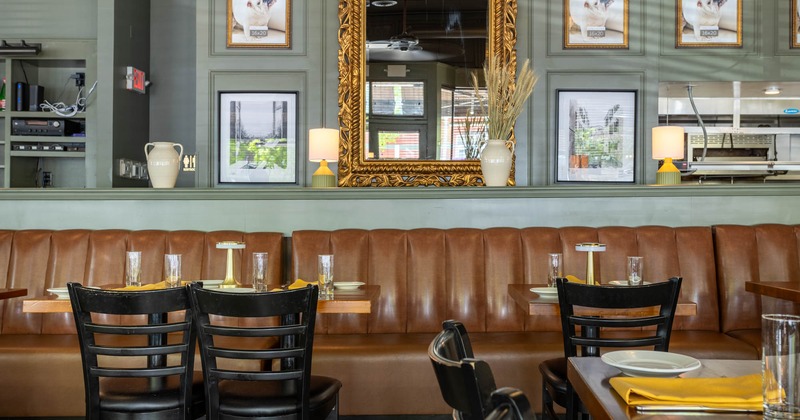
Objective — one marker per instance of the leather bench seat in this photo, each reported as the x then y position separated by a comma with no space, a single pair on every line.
392,372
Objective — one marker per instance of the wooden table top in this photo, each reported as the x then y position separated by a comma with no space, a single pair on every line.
589,377
539,305
12,293
776,289
359,301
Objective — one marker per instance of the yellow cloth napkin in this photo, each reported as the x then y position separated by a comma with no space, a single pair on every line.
153,286
298,284
743,392
575,279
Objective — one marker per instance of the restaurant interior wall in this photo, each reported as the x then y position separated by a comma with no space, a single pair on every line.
311,63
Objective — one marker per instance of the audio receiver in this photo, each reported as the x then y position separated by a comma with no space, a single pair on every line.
43,127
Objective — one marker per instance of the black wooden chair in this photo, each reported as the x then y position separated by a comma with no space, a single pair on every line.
598,332
137,363
467,384
232,327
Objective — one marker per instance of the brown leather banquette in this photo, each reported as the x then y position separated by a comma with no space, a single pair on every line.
426,276
430,275
40,360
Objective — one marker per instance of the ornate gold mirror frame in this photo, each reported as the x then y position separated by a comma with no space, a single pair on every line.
354,169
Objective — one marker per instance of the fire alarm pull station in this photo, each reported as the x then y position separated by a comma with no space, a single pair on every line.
135,80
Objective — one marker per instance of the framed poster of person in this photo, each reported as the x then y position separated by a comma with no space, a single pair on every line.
259,23
708,23
595,24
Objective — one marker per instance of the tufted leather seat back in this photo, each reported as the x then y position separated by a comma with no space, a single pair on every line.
41,259
429,275
767,252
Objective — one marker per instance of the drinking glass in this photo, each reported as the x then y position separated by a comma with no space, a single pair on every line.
172,270
260,271
554,268
133,268
325,276
780,365
635,270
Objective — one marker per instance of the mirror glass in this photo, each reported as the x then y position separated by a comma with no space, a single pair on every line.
408,113
418,97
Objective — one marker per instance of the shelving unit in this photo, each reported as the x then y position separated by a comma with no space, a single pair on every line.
32,160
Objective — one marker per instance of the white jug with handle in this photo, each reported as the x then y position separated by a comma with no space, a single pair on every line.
163,163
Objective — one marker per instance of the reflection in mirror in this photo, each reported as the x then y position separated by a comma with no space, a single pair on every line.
419,55
408,115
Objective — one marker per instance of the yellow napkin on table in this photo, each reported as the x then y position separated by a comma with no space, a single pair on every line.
153,286
298,284
574,279
743,392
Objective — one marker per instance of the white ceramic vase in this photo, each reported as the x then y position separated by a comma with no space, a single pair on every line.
163,163
496,158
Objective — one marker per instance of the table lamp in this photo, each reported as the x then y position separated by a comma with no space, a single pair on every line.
323,145
668,144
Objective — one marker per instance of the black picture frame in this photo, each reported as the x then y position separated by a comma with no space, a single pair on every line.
258,137
596,135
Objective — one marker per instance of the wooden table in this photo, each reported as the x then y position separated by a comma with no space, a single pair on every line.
543,305
12,293
589,377
776,289
359,301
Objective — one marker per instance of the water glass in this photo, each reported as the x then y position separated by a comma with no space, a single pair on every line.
172,270
780,365
260,271
554,268
325,276
133,268
635,270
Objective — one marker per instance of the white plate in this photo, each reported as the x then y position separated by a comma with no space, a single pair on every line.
63,293
545,291
650,363
623,282
347,285
236,289
211,284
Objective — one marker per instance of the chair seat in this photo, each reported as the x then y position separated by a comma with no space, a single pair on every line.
147,395
269,399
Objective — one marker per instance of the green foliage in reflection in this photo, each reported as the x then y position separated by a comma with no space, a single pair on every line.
257,153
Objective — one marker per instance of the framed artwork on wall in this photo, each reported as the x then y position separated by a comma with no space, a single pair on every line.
595,24
258,137
708,23
595,135
259,23
795,24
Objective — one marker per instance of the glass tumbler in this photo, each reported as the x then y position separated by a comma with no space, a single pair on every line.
172,270
554,268
133,268
260,271
780,365
325,277
635,270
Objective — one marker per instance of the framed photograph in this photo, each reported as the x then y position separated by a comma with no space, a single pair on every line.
708,23
795,24
595,135
258,137
259,23
595,24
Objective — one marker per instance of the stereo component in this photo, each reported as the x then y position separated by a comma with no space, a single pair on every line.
43,127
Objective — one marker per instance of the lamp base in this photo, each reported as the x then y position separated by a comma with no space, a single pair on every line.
323,177
668,174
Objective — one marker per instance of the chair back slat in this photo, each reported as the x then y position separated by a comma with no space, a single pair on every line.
142,343
283,317
663,296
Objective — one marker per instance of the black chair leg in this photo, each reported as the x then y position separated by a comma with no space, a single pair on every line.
547,404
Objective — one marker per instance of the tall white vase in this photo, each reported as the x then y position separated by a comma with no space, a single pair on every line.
163,163
496,160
